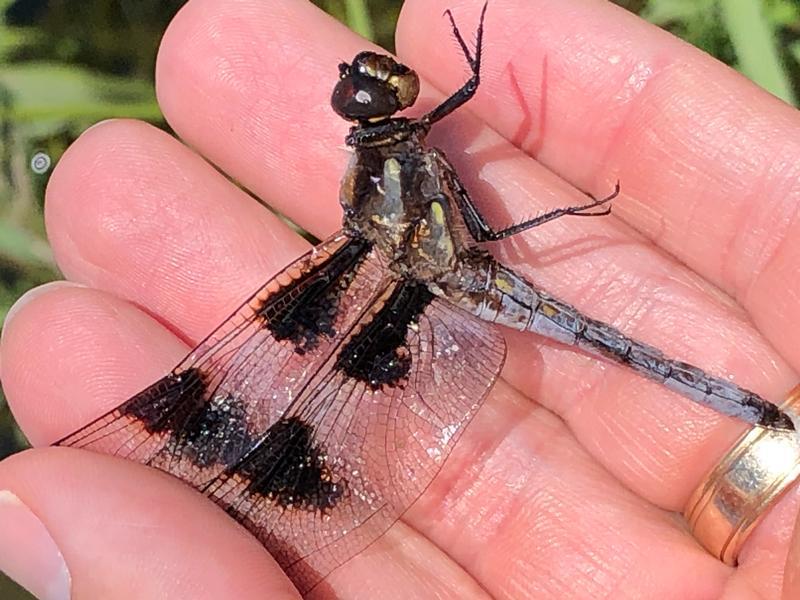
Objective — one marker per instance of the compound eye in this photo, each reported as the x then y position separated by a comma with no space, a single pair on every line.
373,88
370,64
362,98
406,87
403,81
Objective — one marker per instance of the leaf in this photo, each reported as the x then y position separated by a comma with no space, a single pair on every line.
358,18
754,42
794,51
665,12
14,38
51,92
22,248
782,13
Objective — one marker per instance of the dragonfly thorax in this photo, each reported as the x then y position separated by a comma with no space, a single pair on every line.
392,197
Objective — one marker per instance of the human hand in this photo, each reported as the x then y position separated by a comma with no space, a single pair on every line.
566,483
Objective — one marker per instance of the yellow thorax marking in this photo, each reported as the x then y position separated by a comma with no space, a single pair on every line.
437,212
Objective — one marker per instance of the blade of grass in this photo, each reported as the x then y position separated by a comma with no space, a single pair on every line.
754,43
358,18
89,111
20,247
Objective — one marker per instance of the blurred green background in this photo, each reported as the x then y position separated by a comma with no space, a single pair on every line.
65,64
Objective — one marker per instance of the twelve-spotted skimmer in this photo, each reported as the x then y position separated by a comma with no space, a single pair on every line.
320,410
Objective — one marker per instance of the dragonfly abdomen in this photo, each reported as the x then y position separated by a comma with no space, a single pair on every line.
512,301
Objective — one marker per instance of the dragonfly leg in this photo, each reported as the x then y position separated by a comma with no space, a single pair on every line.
482,231
467,91
590,209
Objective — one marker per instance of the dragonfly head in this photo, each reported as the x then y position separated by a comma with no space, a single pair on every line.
373,87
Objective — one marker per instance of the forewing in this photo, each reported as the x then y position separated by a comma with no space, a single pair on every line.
214,407
367,434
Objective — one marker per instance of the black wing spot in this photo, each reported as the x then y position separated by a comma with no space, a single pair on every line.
378,354
216,434
168,402
306,309
291,470
205,430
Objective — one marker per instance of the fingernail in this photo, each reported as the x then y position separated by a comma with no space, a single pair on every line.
28,554
99,124
34,293
26,298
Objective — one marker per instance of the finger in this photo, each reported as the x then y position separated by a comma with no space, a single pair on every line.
401,564
131,210
707,161
523,507
271,65
763,563
791,577
500,486
113,521
71,353
99,352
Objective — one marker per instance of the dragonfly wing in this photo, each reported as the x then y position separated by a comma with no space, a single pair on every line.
213,407
367,435
320,410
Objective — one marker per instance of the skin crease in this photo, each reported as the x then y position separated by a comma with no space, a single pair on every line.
565,483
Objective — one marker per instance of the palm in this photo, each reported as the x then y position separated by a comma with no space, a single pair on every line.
566,482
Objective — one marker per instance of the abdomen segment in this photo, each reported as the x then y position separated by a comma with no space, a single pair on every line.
495,293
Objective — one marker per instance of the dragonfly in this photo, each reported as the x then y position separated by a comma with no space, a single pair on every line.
319,411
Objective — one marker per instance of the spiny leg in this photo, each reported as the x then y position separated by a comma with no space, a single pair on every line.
481,231
474,63
584,210
467,91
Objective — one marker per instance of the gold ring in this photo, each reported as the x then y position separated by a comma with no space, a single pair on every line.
736,494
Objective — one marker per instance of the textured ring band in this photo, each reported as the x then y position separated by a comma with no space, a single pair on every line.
736,494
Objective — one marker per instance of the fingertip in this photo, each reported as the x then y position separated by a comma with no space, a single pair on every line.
97,188
28,553
248,84
72,352
24,305
133,211
114,521
29,298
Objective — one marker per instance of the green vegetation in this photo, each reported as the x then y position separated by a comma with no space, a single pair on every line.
372,19
757,37
65,65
